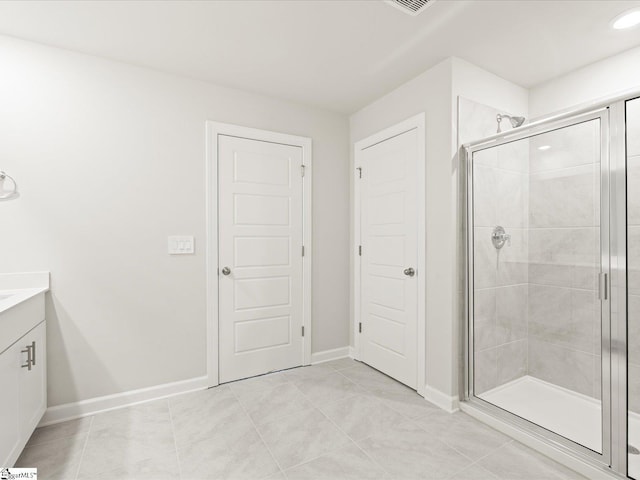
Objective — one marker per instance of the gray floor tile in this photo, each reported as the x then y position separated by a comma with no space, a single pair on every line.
273,403
342,363
361,415
327,388
60,430
407,451
474,472
310,372
348,463
463,433
261,382
57,460
367,377
165,468
403,400
301,437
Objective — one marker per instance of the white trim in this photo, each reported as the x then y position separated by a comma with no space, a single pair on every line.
213,129
352,352
541,446
83,408
329,355
449,403
416,122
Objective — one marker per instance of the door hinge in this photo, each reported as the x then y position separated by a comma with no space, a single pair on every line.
303,250
360,327
359,172
302,169
360,250
303,330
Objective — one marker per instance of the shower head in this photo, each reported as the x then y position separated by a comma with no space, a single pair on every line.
515,121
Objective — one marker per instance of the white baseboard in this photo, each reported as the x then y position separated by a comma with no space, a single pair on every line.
352,353
83,408
328,355
442,400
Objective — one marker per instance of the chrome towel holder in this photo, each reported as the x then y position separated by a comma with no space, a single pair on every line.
7,194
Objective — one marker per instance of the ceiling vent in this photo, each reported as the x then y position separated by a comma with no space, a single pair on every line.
411,7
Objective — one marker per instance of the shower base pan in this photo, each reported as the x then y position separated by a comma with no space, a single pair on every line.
567,413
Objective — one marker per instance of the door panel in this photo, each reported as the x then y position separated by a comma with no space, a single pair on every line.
260,240
389,246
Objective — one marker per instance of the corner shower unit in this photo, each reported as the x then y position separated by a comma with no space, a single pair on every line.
553,267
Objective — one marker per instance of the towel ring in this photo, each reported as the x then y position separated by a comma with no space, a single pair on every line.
11,193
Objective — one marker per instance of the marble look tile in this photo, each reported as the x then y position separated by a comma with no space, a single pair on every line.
474,472
279,475
361,415
127,436
514,460
484,321
302,437
485,259
369,378
633,322
260,382
58,431
403,400
407,451
512,199
55,461
633,127
485,370
634,387
342,363
633,189
511,361
563,198
273,403
349,463
165,468
562,316
466,435
511,313
485,196
196,415
233,452
309,372
564,367
486,158
570,147
327,388
513,259
550,274
514,156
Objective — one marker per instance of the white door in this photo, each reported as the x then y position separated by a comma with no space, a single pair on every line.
388,232
260,257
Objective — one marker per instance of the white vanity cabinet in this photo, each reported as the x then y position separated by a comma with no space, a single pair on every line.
23,383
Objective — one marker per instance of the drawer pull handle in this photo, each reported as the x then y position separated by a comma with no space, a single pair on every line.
31,355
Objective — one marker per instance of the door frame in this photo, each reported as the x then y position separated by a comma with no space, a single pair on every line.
213,130
417,122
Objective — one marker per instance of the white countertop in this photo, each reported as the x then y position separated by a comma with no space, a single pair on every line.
15,288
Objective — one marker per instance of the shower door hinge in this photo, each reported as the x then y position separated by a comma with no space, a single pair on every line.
302,167
603,287
359,172
360,250
303,250
303,330
360,327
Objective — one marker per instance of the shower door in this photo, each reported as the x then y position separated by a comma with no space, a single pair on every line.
538,284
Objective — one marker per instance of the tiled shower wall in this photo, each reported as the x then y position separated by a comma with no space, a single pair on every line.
633,250
501,277
564,256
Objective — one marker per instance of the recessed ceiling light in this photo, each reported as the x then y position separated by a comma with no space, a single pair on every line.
544,147
627,20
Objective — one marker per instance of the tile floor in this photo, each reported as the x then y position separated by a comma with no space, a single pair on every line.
337,420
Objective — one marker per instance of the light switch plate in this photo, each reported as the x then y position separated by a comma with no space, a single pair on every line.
181,245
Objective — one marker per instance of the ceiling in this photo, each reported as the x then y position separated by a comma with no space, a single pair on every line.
338,55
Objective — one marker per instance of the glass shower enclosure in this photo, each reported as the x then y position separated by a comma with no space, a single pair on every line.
546,336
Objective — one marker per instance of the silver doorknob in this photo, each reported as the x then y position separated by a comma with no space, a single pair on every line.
410,272
226,271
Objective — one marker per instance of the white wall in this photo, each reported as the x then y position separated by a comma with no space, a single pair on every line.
607,77
430,92
435,92
110,160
